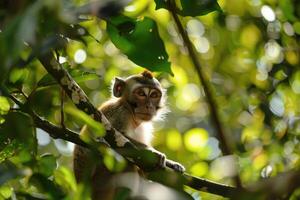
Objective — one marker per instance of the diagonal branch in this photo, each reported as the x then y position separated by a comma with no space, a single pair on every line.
215,119
71,136
116,140
287,182
281,185
205,83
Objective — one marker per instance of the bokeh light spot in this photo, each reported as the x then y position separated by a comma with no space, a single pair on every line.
202,45
173,140
288,29
195,28
80,56
277,105
191,93
273,51
195,139
199,169
225,166
42,137
268,13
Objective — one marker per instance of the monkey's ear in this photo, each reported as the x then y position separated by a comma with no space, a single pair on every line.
119,86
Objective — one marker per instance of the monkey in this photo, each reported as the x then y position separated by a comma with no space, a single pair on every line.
136,102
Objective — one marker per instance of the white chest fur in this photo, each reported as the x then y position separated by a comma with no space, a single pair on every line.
143,133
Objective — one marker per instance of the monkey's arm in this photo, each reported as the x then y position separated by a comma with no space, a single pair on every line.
163,161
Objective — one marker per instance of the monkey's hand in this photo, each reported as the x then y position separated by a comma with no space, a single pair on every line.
161,158
164,162
175,166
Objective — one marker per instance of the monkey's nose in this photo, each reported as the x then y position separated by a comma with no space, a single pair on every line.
149,105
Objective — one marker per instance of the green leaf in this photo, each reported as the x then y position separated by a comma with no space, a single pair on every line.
47,164
64,177
10,150
17,125
161,4
95,126
17,134
191,7
140,42
113,161
198,7
17,77
78,76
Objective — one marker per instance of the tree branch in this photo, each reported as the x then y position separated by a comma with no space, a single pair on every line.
57,132
191,181
209,186
116,140
281,185
205,83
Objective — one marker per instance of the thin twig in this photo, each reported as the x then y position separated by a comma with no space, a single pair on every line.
62,115
207,88
62,95
224,144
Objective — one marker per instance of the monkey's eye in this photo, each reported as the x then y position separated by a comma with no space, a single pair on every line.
154,95
141,93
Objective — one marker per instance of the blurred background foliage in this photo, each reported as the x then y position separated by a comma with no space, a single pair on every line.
249,51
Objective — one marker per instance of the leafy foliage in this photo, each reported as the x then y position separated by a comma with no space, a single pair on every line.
17,137
140,41
191,8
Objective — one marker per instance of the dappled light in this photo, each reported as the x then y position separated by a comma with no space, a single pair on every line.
231,77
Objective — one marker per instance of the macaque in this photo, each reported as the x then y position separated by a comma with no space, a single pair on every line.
137,101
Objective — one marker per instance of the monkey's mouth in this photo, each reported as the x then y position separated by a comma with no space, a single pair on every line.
144,116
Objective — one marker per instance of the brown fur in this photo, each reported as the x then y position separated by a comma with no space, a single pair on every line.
88,168
147,74
120,112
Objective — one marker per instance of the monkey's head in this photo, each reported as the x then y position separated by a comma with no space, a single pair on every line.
142,92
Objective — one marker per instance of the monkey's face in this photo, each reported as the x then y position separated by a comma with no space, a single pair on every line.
146,101
142,92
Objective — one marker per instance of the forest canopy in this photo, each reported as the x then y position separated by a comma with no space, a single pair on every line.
230,69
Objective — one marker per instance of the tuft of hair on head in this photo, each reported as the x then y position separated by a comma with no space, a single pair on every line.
147,74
